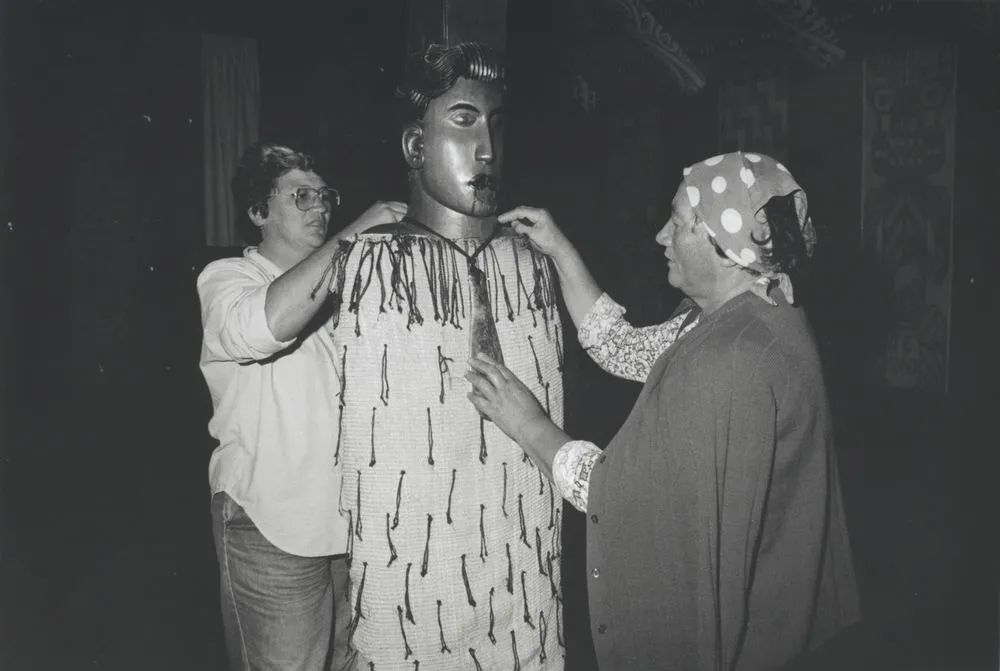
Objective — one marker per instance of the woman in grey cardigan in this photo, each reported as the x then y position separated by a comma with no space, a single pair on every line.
716,536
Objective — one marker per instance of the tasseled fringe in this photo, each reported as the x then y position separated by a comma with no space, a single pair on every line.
541,482
538,546
392,548
451,491
559,638
503,501
483,550
472,652
427,548
513,645
482,440
557,534
350,537
492,637
335,272
444,644
524,595
500,280
384,394
357,290
552,579
402,630
341,395
538,366
406,596
560,357
552,507
340,432
356,620
524,528
510,572
357,527
342,379
468,587
445,278
543,634
399,499
442,371
371,462
430,439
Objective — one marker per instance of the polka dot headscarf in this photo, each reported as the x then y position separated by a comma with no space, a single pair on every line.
727,192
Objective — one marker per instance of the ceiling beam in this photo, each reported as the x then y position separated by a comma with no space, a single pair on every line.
643,26
810,33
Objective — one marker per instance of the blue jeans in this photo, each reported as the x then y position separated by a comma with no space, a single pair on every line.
280,612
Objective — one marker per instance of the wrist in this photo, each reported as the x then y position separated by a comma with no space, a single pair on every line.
533,430
565,256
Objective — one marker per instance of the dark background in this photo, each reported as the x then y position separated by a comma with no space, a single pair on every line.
107,559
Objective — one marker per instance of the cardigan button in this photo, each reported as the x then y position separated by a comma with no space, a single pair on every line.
602,629
593,518
596,573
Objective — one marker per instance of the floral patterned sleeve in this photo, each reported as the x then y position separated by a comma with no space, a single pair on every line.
571,470
624,350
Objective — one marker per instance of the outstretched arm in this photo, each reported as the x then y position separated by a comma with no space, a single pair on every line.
624,350
499,395
292,299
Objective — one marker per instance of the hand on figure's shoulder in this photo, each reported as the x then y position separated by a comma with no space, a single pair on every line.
393,228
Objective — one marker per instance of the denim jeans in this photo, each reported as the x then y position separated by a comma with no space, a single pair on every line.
280,612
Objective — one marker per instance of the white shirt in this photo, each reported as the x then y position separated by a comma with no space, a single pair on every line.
275,416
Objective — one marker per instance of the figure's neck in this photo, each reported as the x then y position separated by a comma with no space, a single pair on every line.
447,222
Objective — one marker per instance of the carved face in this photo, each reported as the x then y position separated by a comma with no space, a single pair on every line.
457,148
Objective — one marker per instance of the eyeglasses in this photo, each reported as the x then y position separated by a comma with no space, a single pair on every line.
306,198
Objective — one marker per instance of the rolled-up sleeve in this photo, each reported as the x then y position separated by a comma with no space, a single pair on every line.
233,317
624,350
571,469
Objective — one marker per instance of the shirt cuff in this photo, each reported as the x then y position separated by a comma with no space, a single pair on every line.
596,324
259,332
571,469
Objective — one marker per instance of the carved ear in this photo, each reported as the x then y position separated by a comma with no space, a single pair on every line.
413,145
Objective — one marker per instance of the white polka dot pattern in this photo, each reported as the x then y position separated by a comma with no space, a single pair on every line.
694,195
731,220
726,191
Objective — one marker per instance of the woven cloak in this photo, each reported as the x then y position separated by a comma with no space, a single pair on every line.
455,534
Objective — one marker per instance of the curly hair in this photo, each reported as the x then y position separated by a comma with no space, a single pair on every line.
432,73
791,238
258,172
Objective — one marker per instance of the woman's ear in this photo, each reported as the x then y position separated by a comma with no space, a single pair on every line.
413,145
254,212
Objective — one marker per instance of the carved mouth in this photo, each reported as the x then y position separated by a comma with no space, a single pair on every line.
484,182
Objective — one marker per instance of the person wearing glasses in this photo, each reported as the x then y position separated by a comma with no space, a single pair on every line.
270,365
